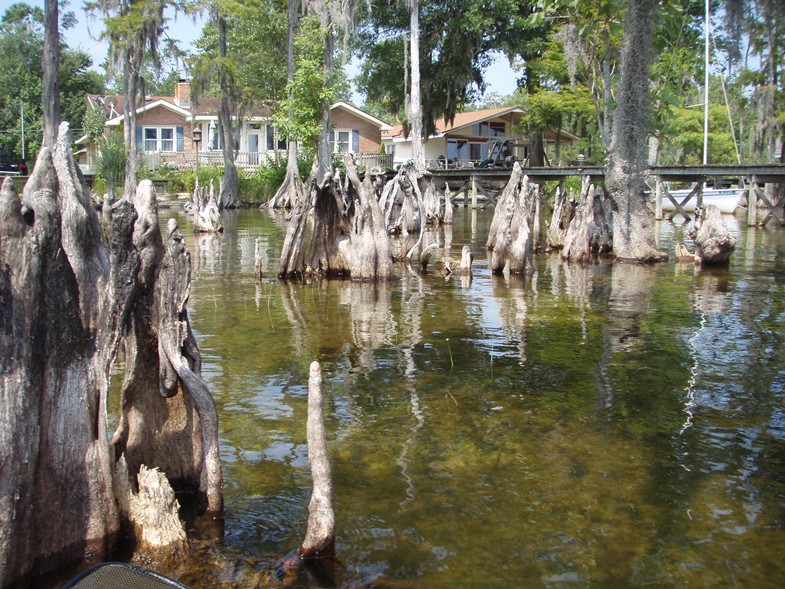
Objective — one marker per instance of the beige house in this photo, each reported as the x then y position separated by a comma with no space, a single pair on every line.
470,139
166,126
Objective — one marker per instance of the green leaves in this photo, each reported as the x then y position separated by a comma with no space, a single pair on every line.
298,116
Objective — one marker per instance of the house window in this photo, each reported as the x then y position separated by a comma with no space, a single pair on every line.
341,141
497,129
456,149
271,142
475,151
159,139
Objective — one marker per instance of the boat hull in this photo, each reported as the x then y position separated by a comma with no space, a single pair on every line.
726,200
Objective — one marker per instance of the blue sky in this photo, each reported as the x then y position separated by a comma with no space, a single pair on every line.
84,35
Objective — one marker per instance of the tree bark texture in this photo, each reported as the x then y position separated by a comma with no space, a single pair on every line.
510,238
55,348
560,220
319,539
633,230
207,214
413,104
51,80
68,294
590,231
292,191
229,195
349,237
714,243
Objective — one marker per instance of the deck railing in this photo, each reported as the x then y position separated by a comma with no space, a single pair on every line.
245,160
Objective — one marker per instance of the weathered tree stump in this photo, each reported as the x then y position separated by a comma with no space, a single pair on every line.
349,236
510,236
714,243
319,539
153,511
68,295
207,215
464,267
683,255
563,212
55,344
590,231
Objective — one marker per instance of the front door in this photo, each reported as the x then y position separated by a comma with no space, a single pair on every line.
254,134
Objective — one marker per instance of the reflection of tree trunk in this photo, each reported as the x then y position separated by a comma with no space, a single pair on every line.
630,288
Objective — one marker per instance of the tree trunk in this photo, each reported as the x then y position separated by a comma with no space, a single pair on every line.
319,539
324,155
633,231
413,104
132,64
68,295
510,236
207,216
560,221
349,236
51,81
590,231
229,197
56,344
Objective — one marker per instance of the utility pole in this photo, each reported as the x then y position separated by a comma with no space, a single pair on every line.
22,116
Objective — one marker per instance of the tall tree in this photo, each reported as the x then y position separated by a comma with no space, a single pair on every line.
21,68
633,231
134,29
51,89
413,101
229,197
457,41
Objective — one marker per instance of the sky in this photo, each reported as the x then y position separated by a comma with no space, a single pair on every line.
499,76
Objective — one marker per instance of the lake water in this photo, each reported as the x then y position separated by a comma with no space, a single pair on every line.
606,425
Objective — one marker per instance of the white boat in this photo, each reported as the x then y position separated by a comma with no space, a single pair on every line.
725,199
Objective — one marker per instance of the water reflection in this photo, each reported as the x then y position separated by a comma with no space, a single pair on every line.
605,425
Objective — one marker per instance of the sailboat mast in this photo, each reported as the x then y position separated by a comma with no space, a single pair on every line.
706,90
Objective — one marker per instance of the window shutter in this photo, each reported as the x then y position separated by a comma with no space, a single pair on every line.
355,141
179,139
139,142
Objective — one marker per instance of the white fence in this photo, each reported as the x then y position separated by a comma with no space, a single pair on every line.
245,160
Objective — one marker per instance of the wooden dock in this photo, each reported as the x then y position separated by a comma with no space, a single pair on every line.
474,184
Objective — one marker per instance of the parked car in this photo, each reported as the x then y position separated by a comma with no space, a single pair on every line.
13,169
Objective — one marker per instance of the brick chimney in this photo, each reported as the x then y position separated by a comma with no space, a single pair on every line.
182,93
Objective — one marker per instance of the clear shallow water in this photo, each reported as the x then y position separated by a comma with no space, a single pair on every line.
604,425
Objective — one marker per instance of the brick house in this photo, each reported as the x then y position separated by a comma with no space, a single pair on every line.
165,128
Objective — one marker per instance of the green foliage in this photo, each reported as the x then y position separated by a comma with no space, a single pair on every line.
298,116
21,74
93,122
457,39
256,33
110,161
262,184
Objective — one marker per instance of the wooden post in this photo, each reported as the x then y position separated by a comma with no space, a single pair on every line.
658,200
752,203
474,193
